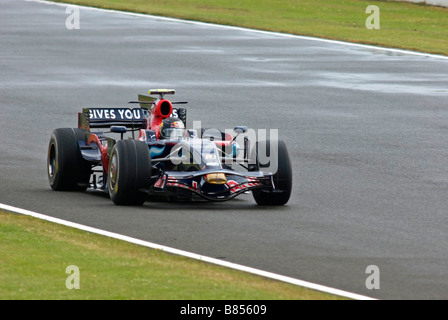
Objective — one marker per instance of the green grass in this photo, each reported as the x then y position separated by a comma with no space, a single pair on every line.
402,25
34,255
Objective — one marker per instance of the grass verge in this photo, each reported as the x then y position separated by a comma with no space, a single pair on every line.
402,25
35,254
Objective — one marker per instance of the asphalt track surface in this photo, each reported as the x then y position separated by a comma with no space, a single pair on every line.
367,131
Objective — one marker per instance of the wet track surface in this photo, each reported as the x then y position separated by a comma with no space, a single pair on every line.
367,131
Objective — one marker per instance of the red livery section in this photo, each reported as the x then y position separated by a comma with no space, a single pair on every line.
161,110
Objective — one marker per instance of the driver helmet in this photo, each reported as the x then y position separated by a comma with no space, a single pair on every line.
172,128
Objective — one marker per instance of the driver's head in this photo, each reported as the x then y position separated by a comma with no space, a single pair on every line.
172,128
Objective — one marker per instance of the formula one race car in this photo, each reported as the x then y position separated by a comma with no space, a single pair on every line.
165,160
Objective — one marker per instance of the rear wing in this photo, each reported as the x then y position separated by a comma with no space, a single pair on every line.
131,118
106,117
135,118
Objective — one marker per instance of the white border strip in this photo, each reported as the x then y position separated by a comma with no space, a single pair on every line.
187,254
287,35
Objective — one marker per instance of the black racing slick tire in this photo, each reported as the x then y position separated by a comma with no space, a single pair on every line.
282,177
129,176
66,168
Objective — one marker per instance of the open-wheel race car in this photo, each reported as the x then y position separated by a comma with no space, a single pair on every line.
146,152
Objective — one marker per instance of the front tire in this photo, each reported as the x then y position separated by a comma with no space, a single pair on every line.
129,175
66,168
282,177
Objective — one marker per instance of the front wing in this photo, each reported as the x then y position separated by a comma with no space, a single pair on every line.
195,182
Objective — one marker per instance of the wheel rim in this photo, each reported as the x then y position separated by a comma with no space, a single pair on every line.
52,164
113,172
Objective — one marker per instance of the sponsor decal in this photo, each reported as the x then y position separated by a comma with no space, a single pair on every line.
175,113
177,124
156,151
118,114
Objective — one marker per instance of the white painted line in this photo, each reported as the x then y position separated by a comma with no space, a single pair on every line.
187,254
365,46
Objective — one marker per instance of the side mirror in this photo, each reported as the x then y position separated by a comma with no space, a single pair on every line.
193,133
240,129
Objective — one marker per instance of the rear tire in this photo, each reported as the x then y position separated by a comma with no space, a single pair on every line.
129,176
66,168
282,177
